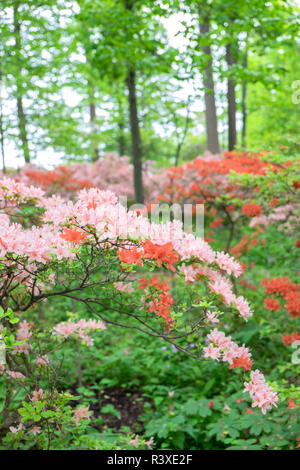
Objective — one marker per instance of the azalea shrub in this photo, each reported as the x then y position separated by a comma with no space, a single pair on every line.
238,189
95,298
110,172
276,194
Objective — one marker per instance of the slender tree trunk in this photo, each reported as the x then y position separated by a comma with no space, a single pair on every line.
224,139
244,103
135,137
121,126
136,140
93,116
212,138
121,139
92,106
20,108
181,139
231,101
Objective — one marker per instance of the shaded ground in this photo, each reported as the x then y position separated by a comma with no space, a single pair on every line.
128,407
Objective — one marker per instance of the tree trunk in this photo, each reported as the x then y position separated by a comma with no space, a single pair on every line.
135,138
212,138
121,126
136,141
231,101
121,139
92,109
19,86
181,139
92,106
244,104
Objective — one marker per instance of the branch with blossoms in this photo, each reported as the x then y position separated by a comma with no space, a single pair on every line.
119,264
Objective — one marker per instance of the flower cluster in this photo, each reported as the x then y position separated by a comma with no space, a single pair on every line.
251,209
13,192
78,330
262,394
292,338
157,297
284,288
81,413
272,304
222,347
23,335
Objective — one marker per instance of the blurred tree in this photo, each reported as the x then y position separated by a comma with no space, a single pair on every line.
212,137
242,28
126,43
19,80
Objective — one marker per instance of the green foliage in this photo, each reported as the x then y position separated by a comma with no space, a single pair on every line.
68,60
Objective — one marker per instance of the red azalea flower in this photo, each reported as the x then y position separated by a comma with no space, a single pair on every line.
273,202
73,235
251,209
291,403
161,253
143,283
288,339
216,223
293,304
130,256
242,361
272,304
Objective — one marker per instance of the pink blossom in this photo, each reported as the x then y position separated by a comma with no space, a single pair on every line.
228,264
121,286
35,430
15,375
262,394
78,329
211,317
14,430
38,395
42,361
81,413
150,443
212,352
135,441
243,307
